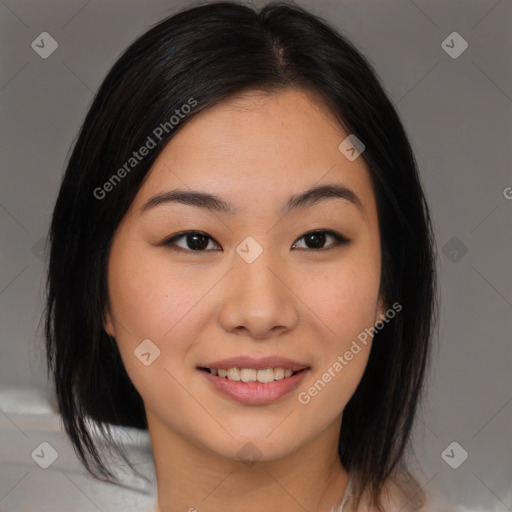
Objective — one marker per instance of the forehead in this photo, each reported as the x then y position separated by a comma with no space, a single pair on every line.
260,148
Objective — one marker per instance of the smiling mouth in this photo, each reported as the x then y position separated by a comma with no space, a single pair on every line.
263,376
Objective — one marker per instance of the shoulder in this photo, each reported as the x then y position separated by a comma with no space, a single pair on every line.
402,497
399,495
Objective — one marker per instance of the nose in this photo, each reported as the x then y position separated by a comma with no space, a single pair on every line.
259,300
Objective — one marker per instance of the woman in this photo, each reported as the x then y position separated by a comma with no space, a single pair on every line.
242,263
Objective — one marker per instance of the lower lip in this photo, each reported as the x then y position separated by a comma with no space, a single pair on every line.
255,393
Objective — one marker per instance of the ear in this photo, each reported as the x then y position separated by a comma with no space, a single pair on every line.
381,309
109,324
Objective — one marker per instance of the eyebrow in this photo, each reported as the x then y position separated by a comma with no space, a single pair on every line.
211,202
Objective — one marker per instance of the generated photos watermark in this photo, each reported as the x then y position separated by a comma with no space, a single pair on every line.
150,143
363,337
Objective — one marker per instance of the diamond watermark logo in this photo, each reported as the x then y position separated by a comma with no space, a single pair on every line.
44,45
351,147
454,249
454,455
249,249
147,352
454,45
249,454
44,455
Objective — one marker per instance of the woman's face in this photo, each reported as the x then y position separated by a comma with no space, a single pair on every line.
254,286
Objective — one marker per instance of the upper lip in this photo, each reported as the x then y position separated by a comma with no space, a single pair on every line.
257,364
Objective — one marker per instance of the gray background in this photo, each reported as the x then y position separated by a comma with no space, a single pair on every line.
457,113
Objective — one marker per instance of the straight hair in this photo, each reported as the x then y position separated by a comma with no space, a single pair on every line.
208,54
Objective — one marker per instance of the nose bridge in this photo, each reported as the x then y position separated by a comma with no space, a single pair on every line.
257,266
258,300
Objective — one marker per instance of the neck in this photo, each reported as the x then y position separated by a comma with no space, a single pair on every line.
195,479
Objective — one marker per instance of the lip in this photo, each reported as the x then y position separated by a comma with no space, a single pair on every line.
255,393
256,363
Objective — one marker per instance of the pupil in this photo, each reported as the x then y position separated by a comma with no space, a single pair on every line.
318,239
203,242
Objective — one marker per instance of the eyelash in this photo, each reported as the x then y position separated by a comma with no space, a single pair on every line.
339,240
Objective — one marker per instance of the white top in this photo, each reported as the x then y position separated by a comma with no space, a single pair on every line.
346,497
335,508
39,470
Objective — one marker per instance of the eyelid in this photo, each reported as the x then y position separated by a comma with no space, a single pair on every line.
169,242
338,237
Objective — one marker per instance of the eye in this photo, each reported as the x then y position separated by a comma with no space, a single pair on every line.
195,241
316,239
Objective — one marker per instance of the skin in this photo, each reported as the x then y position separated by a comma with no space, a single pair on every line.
308,304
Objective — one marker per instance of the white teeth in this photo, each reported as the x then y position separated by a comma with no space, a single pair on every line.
278,373
248,375
234,374
251,375
266,375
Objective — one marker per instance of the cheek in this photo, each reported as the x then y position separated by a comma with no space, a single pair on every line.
145,308
344,300
346,304
345,297
149,296
151,299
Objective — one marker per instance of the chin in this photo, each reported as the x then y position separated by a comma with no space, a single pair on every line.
252,449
